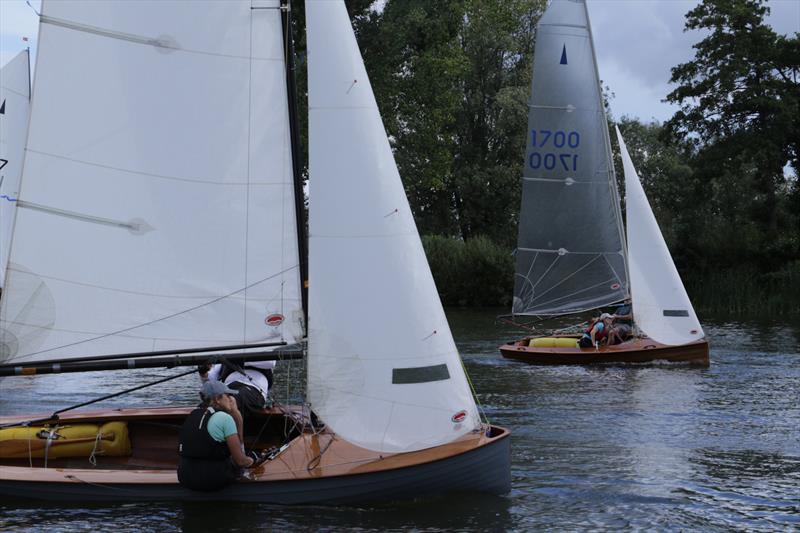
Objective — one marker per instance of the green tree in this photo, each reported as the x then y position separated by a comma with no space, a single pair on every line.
452,79
740,104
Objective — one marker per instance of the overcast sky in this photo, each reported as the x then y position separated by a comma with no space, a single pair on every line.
637,43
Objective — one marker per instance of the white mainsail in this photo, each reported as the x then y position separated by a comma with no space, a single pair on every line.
156,208
661,306
15,101
383,370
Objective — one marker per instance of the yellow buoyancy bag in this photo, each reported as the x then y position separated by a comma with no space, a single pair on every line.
554,342
80,440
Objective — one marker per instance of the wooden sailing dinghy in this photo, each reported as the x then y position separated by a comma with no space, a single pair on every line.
161,189
572,255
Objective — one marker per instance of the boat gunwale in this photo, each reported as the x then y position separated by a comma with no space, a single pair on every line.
376,462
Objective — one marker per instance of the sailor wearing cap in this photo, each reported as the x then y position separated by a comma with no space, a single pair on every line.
211,451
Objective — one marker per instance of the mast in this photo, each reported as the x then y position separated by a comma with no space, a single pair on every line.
294,127
612,175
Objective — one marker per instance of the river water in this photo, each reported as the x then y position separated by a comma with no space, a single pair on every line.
614,448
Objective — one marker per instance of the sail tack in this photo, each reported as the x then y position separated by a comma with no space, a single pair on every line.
14,111
570,254
156,208
660,304
383,370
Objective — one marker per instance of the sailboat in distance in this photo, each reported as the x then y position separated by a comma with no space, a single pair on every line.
572,255
188,246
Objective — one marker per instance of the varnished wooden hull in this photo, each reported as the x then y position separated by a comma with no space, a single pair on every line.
344,473
634,351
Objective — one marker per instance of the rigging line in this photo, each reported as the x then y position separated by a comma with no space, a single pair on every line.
614,271
150,174
533,263
111,334
568,277
136,293
555,260
55,417
478,403
600,284
247,189
6,197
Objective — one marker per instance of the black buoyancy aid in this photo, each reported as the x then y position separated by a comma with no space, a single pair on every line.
205,464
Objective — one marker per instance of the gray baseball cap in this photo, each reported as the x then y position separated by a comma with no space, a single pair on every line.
213,388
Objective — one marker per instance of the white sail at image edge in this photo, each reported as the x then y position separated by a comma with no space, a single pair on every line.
661,306
160,210
383,369
14,111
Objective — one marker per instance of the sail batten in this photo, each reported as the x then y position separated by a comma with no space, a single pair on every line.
569,202
374,312
158,217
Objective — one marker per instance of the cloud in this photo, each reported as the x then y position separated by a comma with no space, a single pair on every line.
639,41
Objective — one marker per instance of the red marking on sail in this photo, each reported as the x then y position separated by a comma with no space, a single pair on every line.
274,320
615,286
459,417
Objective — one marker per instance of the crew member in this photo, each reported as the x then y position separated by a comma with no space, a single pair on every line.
253,381
211,450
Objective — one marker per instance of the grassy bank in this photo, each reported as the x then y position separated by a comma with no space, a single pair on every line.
746,291
475,273
480,273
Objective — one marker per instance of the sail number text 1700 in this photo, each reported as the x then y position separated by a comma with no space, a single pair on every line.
553,141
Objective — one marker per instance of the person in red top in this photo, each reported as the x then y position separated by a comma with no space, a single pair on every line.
596,332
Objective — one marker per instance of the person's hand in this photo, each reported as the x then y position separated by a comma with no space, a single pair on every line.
258,458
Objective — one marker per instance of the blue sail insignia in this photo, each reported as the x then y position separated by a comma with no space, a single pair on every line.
564,55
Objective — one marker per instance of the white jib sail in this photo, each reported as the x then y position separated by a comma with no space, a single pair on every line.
661,306
383,370
156,209
15,103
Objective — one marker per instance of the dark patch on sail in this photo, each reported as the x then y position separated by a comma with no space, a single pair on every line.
3,162
419,374
564,55
676,312
3,108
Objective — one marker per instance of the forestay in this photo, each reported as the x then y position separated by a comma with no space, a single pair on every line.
383,370
157,208
660,303
14,110
570,254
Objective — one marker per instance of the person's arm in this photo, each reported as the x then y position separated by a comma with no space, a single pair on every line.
237,451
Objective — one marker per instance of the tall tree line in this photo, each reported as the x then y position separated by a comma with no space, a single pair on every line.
452,80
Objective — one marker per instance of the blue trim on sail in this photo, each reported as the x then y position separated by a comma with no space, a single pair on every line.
564,55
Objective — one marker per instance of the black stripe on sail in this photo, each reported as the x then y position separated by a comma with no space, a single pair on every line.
419,374
676,312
